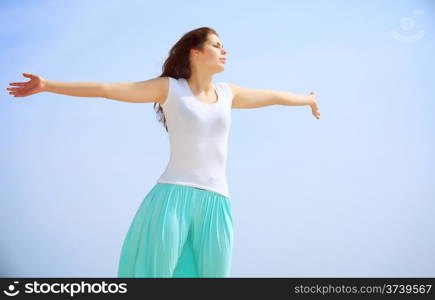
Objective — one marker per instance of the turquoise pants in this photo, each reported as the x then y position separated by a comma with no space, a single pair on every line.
179,231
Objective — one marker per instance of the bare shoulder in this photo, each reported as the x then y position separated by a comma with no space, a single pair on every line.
251,98
234,88
161,86
151,90
237,89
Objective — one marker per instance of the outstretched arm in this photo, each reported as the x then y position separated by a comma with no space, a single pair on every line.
151,90
253,98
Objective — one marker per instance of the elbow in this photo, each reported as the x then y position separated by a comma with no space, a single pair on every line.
278,98
103,90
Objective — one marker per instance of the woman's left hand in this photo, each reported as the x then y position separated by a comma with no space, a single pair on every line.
314,107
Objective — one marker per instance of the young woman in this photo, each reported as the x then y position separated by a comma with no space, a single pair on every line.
184,225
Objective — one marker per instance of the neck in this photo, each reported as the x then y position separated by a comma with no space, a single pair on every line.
201,84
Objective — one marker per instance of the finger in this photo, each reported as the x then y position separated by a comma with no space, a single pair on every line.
31,76
16,91
17,83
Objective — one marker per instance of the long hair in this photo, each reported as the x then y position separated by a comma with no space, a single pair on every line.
178,64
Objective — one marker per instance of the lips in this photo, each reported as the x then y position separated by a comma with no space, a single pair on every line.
223,60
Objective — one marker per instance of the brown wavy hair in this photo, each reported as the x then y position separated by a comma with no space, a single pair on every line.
177,65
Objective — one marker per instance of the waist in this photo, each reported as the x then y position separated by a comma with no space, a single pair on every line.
217,185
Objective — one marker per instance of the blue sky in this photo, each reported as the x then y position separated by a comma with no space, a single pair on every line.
349,195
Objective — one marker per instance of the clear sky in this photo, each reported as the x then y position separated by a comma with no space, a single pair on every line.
349,195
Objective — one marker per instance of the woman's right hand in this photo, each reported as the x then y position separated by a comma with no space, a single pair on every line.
23,89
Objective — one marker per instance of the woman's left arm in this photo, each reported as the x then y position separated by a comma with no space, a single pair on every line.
253,98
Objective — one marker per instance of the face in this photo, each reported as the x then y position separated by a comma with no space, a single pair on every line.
211,56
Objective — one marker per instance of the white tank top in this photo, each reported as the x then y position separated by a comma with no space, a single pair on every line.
198,137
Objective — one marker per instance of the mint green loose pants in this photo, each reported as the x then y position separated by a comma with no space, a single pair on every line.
179,231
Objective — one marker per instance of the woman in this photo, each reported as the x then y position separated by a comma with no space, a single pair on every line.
184,225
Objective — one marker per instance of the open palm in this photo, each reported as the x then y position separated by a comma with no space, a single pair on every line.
35,85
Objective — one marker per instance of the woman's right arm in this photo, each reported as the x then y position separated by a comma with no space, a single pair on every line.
77,89
152,90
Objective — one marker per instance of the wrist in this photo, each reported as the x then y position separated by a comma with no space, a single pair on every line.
310,99
44,85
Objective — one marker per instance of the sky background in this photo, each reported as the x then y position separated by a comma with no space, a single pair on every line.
349,195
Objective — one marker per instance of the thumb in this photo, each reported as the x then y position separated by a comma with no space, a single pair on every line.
27,74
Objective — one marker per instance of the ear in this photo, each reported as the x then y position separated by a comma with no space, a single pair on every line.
195,52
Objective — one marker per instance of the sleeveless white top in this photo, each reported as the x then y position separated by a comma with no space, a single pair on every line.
198,136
